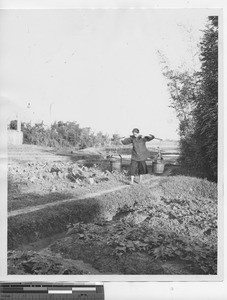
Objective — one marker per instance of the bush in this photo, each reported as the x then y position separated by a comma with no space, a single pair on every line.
60,134
194,96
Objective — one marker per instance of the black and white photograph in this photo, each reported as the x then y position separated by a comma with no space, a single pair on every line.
112,141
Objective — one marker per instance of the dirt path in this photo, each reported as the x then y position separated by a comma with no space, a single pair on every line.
152,181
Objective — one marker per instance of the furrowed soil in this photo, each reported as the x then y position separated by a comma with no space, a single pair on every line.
68,213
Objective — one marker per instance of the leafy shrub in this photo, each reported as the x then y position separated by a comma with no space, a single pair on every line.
62,134
194,96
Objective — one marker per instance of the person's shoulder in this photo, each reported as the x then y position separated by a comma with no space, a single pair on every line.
127,140
141,137
149,137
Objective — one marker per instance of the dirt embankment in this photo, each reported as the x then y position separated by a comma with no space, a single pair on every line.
36,182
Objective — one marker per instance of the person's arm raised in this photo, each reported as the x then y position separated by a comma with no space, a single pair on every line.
149,137
126,141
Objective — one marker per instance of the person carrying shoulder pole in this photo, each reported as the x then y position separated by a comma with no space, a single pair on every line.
139,153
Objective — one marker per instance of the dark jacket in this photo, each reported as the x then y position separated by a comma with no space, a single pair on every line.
139,149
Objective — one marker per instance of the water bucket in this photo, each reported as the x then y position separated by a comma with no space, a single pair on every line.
116,163
159,167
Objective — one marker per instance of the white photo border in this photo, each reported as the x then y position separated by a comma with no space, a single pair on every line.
182,286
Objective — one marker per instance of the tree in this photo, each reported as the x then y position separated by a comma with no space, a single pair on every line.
116,139
101,139
206,111
194,96
62,134
13,125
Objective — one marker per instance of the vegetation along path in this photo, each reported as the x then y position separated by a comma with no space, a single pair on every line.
154,181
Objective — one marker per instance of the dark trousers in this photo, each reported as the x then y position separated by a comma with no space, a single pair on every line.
138,167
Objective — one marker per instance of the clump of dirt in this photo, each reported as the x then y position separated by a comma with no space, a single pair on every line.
45,263
34,183
53,172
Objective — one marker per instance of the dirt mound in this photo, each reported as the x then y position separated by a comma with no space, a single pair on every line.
58,175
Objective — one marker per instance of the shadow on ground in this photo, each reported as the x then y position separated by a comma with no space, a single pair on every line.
33,199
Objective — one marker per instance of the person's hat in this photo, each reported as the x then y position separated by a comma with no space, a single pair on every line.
135,130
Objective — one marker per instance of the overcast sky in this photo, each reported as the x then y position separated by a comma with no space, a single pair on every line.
97,67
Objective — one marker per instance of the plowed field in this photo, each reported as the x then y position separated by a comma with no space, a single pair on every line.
76,216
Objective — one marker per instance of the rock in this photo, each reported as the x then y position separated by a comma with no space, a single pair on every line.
53,189
104,179
91,180
54,174
108,173
80,172
78,181
139,217
60,175
32,179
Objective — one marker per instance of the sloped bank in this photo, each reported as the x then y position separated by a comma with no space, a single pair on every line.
30,227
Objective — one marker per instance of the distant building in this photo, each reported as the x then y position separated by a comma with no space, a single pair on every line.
15,136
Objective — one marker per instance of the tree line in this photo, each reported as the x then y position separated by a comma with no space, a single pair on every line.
63,134
194,96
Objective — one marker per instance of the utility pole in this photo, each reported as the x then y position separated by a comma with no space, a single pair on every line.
18,122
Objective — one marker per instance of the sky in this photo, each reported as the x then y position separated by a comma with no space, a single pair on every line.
98,67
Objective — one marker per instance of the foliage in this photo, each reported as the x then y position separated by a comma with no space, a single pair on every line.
194,96
176,221
13,125
185,234
42,263
116,139
181,225
63,134
206,111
